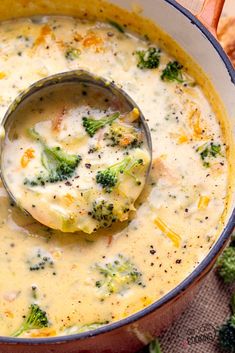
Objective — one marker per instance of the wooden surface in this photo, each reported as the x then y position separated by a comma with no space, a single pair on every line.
226,29
195,6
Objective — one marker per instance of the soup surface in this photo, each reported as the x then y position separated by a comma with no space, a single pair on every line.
125,268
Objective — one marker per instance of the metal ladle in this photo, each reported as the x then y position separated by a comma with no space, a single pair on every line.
77,77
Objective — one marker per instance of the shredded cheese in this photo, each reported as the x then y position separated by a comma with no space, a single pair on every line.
176,239
203,202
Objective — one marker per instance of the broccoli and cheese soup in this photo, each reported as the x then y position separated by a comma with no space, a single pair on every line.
51,281
77,172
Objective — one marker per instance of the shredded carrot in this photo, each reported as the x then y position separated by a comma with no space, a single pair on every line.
168,232
126,140
27,156
41,39
93,40
203,202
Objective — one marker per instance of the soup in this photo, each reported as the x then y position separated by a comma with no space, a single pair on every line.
122,269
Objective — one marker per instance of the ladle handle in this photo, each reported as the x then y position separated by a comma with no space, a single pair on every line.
210,14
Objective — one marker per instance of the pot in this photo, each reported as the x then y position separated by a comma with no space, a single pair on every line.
197,36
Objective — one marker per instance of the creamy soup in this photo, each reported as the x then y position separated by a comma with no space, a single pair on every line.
74,161
120,270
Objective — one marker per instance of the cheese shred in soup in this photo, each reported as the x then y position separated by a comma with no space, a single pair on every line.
122,269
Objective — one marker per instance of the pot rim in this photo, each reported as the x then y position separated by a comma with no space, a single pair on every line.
182,286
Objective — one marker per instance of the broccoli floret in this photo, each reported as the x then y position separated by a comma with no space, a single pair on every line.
148,59
226,332
59,164
92,125
72,54
209,150
117,276
102,211
173,72
124,136
154,347
40,260
108,178
226,265
36,319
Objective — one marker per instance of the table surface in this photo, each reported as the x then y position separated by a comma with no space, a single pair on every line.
195,6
